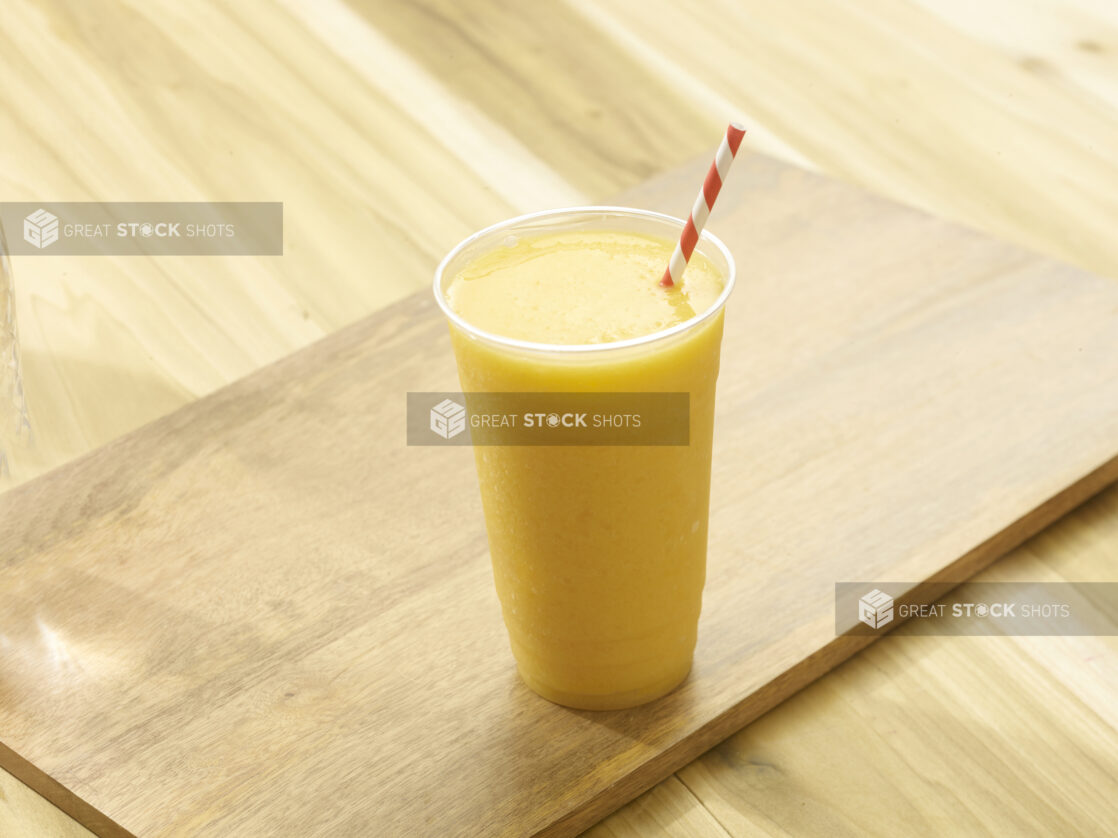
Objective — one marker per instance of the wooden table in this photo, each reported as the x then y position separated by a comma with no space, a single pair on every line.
390,130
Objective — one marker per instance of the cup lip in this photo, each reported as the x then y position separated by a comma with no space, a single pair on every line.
569,348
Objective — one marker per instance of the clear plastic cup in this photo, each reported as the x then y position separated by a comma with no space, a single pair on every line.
599,552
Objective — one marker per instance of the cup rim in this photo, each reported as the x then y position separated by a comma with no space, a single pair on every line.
567,348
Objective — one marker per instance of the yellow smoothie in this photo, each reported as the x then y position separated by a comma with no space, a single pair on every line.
599,552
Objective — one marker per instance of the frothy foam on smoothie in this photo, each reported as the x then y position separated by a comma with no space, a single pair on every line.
571,288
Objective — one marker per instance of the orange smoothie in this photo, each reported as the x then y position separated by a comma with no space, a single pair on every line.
599,551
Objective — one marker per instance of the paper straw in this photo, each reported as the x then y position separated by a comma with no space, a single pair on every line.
701,211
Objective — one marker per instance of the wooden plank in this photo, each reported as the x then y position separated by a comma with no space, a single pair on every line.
266,600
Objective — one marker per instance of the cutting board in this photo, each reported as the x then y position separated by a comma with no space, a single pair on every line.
264,614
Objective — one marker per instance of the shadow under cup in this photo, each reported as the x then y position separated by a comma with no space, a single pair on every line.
599,551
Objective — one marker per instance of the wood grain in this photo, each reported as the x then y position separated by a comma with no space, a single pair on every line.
340,110
960,735
1000,115
668,810
166,113
34,804
245,605
23,812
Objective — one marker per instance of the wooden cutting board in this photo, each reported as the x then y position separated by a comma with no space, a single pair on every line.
265,615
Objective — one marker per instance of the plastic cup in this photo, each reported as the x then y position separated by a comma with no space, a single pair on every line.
598,551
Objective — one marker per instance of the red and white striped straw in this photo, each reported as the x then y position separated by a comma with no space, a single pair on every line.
701,211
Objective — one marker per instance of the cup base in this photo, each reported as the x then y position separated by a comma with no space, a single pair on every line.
606,701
